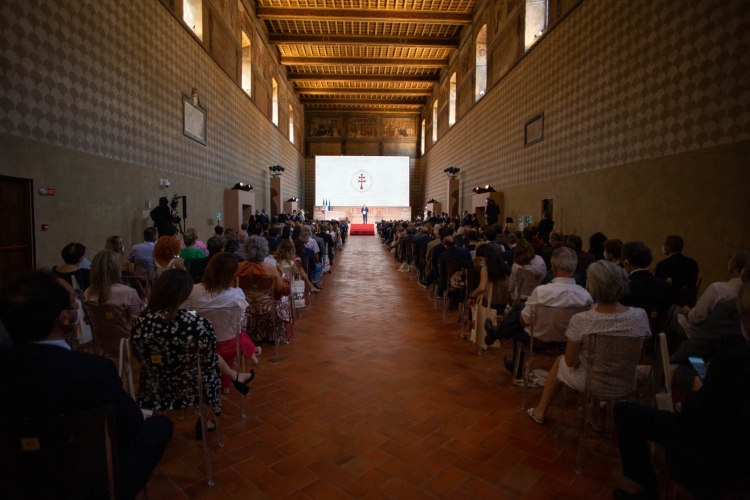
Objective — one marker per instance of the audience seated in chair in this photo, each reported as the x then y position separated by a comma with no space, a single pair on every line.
41,376
684,322
215,245
167,255
585,259
680,270
72,255
525,258
172,338
562,292
452,253
190,252
492,269
607,284
216,299
144,252
647,292
613,251
106,286
707,442
255,277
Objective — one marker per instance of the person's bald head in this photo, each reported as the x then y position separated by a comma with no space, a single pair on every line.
448,242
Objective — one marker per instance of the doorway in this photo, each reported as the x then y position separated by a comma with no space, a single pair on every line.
16,228
547,206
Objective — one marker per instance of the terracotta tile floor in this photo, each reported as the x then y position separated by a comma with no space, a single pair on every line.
378,398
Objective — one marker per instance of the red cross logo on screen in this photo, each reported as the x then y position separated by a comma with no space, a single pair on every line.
361,180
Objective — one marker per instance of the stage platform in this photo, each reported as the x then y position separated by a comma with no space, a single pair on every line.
362,230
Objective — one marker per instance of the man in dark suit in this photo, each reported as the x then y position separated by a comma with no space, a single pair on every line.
706,443
273,238
545,227
585,259
680,270
41,376
365,211
327,239
263,217
555,242
510,253
647,292
452,253
492,211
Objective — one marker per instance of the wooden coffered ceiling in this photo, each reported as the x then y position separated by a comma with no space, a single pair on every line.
382,55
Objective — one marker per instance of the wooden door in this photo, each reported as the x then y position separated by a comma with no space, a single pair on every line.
16,228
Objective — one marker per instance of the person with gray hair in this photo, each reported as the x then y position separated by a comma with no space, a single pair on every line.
607,284
561,292
706,443
255,276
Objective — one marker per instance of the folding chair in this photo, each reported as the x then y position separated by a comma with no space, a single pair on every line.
77,453
452,267
261,311
527,282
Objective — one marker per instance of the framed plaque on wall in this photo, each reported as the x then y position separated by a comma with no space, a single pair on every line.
193,118
533,131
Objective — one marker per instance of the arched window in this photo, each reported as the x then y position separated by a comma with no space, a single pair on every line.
291,124
481,64
192,14
536,21
423,133
434,121
247,68
452,102
275,103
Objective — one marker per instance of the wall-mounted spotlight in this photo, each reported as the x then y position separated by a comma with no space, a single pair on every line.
293,200
452,172
242,187
276,170
484,189
432,200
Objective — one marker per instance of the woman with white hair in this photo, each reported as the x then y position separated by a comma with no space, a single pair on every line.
607,284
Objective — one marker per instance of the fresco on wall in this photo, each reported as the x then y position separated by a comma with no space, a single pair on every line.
361,126
228,11
323,126
399,127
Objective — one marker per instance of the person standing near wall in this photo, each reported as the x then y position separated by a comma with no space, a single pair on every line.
364,214
493,211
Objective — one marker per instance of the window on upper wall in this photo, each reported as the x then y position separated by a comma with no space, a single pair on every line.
291,124
481,64
423,134
192,14
452,102
536,21
275,103
434,121
247,68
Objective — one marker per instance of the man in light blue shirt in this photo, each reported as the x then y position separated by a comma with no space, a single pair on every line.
144,251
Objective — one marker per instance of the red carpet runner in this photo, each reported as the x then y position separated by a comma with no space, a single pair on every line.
362,229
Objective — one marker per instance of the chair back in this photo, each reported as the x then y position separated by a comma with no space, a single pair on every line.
612,365
59,456
109,324
454,267
527,282
549,323
224,320
660,383
144,271
160,365
501,293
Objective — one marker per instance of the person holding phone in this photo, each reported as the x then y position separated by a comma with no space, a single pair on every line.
707,442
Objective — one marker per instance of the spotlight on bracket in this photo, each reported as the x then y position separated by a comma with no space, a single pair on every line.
293,199
242,187
452,172
276,170
486,189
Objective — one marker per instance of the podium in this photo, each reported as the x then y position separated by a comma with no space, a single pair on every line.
238,207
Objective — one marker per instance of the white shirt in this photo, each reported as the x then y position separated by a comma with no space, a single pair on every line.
224,309
58,343
562,292
715,293
536,266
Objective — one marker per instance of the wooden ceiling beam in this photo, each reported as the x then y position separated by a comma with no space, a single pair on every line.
349,77
365,40
364,15
399,102
364,62
364,91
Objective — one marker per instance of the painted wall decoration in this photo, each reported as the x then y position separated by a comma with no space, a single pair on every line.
361,126
325,126
399,127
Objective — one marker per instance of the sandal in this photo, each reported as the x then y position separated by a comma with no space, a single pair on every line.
243,386
530,413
